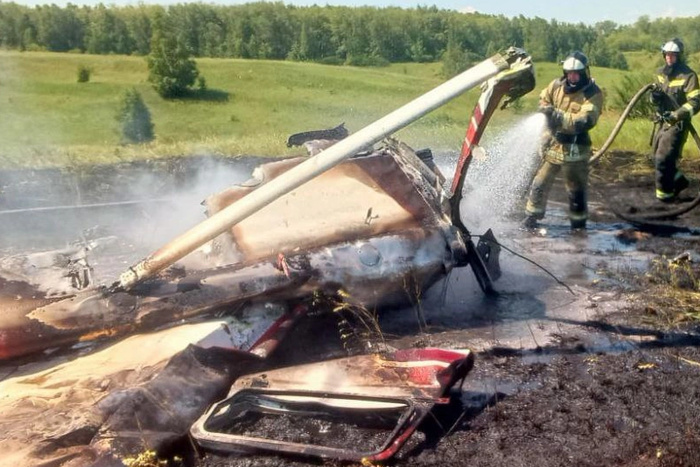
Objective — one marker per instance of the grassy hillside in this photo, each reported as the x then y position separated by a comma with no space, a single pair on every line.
51,119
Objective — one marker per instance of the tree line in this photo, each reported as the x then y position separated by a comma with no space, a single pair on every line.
327,34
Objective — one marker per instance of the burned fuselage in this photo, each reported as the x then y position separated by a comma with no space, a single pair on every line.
373,227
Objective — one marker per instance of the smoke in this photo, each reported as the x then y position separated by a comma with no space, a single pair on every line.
497,181
120,214
179,206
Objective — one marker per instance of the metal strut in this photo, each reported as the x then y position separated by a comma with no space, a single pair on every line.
515,82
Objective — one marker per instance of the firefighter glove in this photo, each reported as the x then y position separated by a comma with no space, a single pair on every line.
546,109
671,117
681,113
657,94
554,116
555,119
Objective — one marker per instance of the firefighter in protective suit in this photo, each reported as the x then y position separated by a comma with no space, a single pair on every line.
572,105
677,98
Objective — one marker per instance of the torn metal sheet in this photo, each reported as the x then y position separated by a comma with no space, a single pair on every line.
140,393
41,323
322,408
376,220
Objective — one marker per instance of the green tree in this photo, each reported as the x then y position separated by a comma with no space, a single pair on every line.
419,53
600,54
300,49
329,34
60,29
454,60
107,33
316,23
138,23
134,119
171,69
388,37
539,40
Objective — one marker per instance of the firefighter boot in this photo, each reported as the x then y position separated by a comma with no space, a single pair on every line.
530,223
578,225
680,184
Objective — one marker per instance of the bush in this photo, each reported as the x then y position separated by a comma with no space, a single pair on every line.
134,119
331,61
625,89
35,48
84,74
366,60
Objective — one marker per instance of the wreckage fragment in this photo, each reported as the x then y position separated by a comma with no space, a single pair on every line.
320,409
140,393
271,256
93,314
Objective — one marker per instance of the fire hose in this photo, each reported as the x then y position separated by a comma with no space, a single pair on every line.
643,218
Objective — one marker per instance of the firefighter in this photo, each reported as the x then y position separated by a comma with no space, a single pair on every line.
572,105
677,98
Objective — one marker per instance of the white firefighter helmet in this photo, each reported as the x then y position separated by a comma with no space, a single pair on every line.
675,46
576,61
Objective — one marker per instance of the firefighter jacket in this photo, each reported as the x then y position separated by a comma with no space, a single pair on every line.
680,91
568,140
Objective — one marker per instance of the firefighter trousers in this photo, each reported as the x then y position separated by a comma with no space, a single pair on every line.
576,181
668,147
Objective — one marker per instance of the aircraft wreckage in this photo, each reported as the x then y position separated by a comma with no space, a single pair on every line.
364,226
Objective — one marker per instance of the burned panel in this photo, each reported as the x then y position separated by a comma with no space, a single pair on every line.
316,424
372,403
362,197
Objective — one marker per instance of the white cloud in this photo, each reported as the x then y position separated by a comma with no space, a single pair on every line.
468,9
670,12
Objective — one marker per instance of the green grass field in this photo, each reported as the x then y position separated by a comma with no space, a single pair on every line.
52,120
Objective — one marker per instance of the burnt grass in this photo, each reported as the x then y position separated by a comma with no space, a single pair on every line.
635,407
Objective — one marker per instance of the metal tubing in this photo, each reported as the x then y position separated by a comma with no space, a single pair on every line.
286,182
75,207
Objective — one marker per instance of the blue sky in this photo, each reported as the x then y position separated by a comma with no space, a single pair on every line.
587,11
